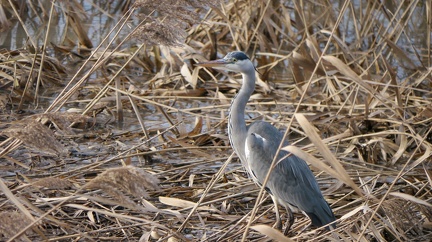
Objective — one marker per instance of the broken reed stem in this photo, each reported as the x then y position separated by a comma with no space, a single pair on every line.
39,80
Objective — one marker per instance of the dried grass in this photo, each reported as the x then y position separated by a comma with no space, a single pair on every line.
173,17
406,216
350,82
53,183
125,180
11,222
155,33
33,132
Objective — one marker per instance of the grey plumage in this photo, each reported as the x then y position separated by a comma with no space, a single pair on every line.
291,183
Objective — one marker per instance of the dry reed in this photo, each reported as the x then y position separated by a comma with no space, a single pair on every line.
351,81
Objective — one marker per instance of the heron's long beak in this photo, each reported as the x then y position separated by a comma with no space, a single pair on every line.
214,63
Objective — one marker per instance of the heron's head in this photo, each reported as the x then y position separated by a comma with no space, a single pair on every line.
235,61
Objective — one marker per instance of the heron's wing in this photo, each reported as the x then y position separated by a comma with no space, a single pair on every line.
302,191
291,181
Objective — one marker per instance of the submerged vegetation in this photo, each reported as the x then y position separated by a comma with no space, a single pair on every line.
109,132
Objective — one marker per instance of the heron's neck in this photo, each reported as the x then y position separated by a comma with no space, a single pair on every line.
236,123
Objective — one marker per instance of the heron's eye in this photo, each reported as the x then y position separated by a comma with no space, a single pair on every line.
234,60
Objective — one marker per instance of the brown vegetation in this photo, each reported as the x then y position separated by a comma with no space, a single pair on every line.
110,133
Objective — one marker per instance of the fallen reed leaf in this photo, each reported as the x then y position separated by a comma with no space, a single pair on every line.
176,202
340,172
348,72
272,233
410,198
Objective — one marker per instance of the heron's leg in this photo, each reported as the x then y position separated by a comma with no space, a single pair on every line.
278,223
290,221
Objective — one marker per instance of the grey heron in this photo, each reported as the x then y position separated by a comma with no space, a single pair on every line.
291,183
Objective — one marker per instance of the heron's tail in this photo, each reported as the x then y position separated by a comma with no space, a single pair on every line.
322,215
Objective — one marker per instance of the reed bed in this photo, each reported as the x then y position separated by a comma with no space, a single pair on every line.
123,138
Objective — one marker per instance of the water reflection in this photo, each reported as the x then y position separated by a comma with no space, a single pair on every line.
97,21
